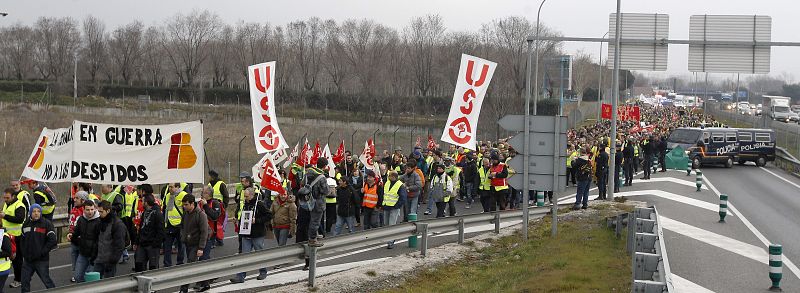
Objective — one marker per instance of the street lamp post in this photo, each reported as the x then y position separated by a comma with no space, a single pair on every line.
600,80
536,65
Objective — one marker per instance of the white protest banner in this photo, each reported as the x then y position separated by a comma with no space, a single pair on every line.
119,154
471,85
266,132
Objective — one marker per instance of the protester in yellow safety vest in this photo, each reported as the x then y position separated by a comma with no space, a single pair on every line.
20,194
220,189
441,190
454,172
173,213
43,196
5,258
485,185
497,176
245,181
570,173
394,197
14,214
117,200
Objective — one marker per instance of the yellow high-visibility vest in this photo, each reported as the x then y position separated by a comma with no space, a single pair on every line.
444,186
217,190
391,193
47,209
174,208
256,191
130,201
485,183
10,210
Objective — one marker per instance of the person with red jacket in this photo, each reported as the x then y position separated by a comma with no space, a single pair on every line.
74,214
216,219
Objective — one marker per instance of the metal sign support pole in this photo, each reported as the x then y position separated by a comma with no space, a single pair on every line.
526,149
614,99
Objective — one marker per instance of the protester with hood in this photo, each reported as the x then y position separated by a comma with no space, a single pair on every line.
151,234
284,218
583,169
38,239
110,241
84,237
347,202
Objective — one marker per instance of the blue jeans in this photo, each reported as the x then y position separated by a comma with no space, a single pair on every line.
391,217
281,235
249,245
431,202
170,239
74,252
207,249
82,265
582,196
411,207
468,192
351,224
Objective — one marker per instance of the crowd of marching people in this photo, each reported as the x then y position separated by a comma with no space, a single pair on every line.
108,223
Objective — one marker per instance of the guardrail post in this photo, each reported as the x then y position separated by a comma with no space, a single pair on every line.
496,223
618,226
554,222
775,266
699,180
723,207
422,228
631,222
461,231
412,240
312,265
145,283
689,167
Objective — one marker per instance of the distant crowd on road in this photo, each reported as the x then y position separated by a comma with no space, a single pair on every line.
107,223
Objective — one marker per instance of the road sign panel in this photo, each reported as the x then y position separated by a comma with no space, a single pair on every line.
541,144
539,165
640,26
730,59
538,182
538,123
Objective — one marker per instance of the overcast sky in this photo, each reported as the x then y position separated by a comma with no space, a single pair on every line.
577,18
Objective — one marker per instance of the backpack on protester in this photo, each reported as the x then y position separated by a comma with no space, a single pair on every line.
305,196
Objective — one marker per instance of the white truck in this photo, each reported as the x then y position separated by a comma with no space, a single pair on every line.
779,108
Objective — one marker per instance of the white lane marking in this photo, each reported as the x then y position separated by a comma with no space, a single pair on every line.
741,248
667,195
294,276
670,179
684,285
781,177
788,263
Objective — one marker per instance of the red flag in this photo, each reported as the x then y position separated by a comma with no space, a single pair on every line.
367,155
634,113
316,154
339,156
419,141
270,179
606,109
305,156
431,143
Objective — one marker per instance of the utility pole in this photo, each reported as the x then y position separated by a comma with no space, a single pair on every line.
614,99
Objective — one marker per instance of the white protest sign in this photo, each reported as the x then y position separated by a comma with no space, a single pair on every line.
267,134
118,154
471,85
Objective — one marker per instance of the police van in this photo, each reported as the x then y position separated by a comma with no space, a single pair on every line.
715,145
756,145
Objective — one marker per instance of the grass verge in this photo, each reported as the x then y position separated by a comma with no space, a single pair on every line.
585,257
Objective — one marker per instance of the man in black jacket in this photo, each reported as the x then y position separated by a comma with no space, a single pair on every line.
85,237
601,171
38,239
194,234
662,153
110,241
627,155
469,170
255,215
151,233
649,149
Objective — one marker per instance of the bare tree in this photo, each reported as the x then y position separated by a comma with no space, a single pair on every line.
153,55
584,72
220,56
125,45
334,63
58,42
423,36
186,43
306,38
93,53
17,48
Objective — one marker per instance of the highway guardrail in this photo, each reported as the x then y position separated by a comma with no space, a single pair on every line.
175,276
651,272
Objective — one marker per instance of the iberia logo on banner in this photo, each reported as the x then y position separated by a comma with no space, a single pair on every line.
38,156
181,153
266,132
471,85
